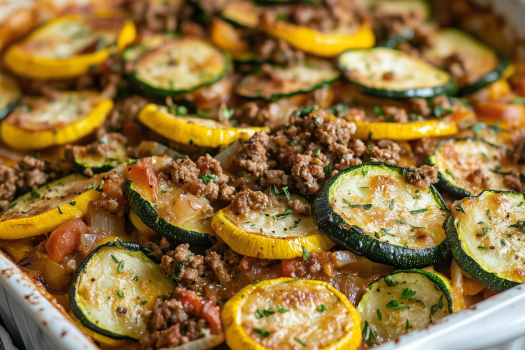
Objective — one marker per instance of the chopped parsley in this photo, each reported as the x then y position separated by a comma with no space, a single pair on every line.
365,206
300,341
263,333
118,242
285,190
281,309
321,308
120,294
460,208
408,293
391,206
207,178
419,211
394,305
60,210
389,282
408,325
260,313
285,213
143,302
379,315
136,278
326,169
74,202
306,254
450,173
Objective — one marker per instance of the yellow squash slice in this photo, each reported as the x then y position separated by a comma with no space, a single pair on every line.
39,122
272,233
318,43
404,131
69,46
291,314
191,130
44,209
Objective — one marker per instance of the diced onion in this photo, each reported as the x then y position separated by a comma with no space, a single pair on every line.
344,257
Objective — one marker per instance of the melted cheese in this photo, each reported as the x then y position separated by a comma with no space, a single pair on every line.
486,236
409,72
40,113
68,37
97,290
318,329
461,162
423,306
289,80
183,64
383,187
275,222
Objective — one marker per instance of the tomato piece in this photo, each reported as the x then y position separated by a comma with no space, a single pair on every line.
144,177
212,314
289,266
113,189
513,114
64,239
472,286
246,263
191,301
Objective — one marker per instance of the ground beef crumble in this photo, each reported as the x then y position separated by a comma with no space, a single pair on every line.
423,176
180,318
248,200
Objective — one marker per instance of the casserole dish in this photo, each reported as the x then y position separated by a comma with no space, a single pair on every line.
38,322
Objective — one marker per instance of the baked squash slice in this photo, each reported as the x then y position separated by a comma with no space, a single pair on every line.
192,130
69,46
272,233
115,288
373,210
468,166
168,209
289,313
403,301
40,122
44,209
404,131
178,66
10,94
390,73
485,235
288,81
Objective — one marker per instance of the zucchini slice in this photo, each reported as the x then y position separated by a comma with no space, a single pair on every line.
468,166
402,301
10,93
178,67
115,289
289,81
485,235
404,131
69,46
133,52
192,130
281,314
176,214
493,134
101,159
485,65
390,73
373,211
271,233
44,209
419,8
40,122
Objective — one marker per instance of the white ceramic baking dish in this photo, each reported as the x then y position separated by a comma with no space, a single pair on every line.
494,324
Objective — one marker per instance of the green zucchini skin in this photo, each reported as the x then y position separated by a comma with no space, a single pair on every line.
467,263
487,79
407,34
450,88
149,216
434,278
152,91
8,109
353,238
77,311
443,184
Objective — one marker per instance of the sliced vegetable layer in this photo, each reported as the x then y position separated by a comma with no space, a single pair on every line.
10,93
69,46
403,301
404,131
469,166
373,210
101,156
390,73
115,289
40,122
192,130
166,207
179,66
321,44
271,233
288,81
243,13
479,65
281,314
485,234
44,209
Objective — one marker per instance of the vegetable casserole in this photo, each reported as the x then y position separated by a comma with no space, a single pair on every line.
246,174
